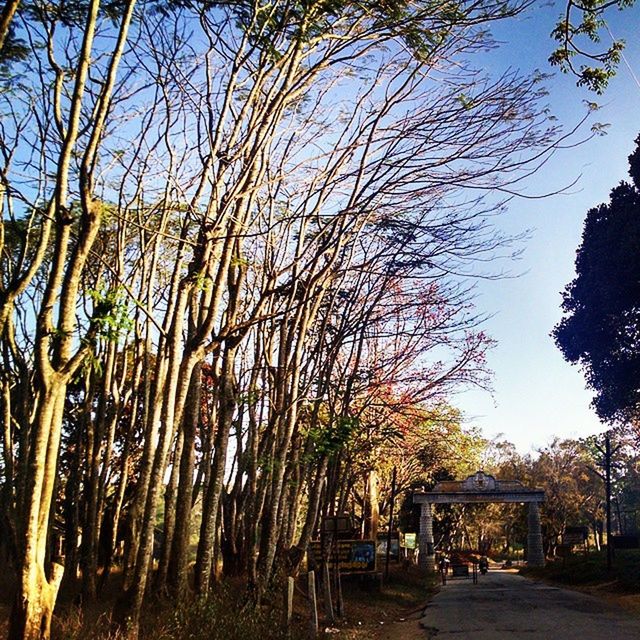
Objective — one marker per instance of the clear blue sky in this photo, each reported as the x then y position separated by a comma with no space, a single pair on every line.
536,393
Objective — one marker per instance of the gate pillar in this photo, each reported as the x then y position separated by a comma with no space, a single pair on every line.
426,558
535,553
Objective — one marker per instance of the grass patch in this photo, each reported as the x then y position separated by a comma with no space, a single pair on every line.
591,570
220,617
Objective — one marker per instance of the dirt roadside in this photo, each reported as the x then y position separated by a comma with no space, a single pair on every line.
392,613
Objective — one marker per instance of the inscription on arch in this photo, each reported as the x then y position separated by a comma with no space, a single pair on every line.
479,481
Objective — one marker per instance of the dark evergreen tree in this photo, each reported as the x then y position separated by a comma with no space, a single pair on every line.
601,330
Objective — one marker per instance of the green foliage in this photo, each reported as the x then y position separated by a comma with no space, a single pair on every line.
110,313
17,48
331,438
602,304
91,362
203,282
573,492
423,26
465,101
71,14
13,49
569,33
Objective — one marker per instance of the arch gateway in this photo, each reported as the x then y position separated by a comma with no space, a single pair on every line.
479,487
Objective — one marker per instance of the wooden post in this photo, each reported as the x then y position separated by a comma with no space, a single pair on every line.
288,603
313,604
336,570
339,600
326,589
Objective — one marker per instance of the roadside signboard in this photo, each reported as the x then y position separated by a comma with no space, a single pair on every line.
574,536
353,556
381,548
337,525
408,540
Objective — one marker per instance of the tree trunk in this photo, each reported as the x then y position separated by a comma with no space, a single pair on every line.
206,543
34,603
36,595
178,564
372,512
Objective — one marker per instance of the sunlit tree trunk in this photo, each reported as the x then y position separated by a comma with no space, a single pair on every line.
38,589
56,361
211,499
178,565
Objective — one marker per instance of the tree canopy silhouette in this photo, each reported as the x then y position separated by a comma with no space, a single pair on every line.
601,328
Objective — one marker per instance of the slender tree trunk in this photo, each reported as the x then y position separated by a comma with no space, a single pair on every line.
170,505
178,564
206,543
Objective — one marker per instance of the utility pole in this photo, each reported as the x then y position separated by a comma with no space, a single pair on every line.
605,465
391,505
607,475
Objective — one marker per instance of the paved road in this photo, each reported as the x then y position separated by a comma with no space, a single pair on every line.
505,606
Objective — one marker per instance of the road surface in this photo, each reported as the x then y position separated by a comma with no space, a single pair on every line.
506,606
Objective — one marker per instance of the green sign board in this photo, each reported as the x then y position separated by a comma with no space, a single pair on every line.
408,540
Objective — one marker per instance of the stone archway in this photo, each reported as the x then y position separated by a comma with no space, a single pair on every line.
479,487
